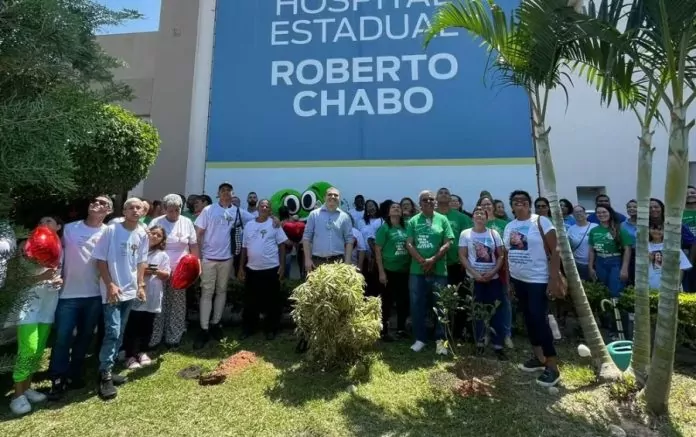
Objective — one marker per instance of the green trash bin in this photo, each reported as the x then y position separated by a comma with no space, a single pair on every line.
621,352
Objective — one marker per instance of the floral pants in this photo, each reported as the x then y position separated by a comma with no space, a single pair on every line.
170,324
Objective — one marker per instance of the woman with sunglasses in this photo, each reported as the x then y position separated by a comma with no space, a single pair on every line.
531,242
578,234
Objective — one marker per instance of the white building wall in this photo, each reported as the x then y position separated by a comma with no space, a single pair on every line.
598,146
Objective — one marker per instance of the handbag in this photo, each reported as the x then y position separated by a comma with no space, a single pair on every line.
562,288
503,273
236,235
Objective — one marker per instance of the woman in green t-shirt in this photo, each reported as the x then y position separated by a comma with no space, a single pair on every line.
393,262
610,251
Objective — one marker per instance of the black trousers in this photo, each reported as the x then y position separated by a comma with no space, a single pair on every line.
460,327
262,295
397,291
138,332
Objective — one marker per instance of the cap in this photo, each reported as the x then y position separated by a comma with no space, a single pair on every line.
225,184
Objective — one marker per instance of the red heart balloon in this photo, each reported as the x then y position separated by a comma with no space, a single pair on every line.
43,246
186,272
294,230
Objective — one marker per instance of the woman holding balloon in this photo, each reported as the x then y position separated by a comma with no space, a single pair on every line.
37,308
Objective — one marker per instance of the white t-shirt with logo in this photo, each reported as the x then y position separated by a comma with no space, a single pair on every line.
655,264
261,241
123,250
153,285
359,246
481,248
526,254
180,234
579,237
80,276
217,223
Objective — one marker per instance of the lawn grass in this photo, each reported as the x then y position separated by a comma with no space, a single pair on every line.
399,394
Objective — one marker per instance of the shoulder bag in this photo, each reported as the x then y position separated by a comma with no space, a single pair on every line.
236,234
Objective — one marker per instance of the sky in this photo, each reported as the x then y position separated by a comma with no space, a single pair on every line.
149,8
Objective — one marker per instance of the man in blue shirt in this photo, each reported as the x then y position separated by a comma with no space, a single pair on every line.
603,200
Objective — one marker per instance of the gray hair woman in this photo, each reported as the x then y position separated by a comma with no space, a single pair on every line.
170,324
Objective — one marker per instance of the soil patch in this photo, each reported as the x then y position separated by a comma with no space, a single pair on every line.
228,367
476,376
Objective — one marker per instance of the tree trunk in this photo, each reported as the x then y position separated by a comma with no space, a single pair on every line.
662,365
640,361
607,370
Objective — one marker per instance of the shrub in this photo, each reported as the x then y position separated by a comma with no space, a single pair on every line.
687,307
333,316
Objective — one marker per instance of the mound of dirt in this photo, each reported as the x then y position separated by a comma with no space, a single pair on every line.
227,367
476,376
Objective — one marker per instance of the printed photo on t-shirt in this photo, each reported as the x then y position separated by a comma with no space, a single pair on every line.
518,240
484,254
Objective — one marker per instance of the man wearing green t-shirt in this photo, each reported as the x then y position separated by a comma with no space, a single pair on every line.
429,237
455,271
458,222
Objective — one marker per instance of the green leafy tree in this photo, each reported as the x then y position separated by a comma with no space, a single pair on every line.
531,50
54,78
116,155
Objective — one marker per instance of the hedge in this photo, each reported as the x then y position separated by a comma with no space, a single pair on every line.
596,292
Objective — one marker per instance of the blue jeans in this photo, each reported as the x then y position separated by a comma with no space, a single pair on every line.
68,353
487,293
535,309
115,320
609,273
421,289
583,271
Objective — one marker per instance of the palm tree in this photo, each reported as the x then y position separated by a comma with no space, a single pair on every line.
660,37
529,50
602,61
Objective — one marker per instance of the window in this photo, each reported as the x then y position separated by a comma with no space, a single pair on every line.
587,195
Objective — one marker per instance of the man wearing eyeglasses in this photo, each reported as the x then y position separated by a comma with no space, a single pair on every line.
80,304
429,236
328,234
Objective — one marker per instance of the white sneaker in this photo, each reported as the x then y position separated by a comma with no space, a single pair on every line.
34,396
121,356
132,363
417,346
20,406
508,343
440,348
144,360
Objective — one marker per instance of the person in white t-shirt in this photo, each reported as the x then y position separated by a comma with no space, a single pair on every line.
579,234
136,338
655,248
80,304
214,229
532,277
121,255
481,254
170,323
261,268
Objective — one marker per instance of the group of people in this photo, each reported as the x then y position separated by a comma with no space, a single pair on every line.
114,278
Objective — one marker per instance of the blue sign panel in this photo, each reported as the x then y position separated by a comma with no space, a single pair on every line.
334,80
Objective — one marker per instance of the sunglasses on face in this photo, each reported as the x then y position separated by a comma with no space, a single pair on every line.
427,200
100,202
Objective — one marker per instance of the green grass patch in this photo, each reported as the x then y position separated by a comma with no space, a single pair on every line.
398,393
